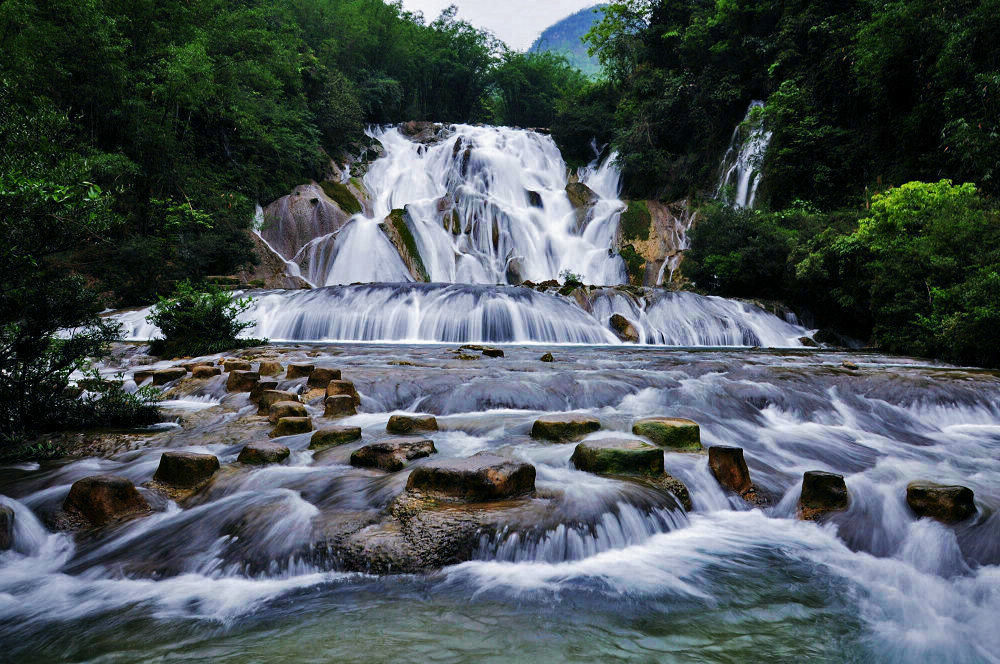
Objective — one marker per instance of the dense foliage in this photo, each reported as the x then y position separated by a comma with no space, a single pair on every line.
199,321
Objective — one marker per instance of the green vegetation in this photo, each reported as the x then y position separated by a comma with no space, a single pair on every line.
566,38
199,321
342,196
635,264
402,230
635,221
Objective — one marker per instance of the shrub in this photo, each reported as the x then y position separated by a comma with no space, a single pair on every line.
200,321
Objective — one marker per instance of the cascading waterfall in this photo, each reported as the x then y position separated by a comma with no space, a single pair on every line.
740,169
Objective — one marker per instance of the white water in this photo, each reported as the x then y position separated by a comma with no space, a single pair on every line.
740,169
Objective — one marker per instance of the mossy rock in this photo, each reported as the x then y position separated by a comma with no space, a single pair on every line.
290,426
342,196
333,436
673,432
401,236
617,456
635,221
635,264
564,428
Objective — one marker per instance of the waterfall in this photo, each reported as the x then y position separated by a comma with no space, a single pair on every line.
740,168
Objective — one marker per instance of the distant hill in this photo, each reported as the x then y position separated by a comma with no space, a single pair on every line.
564,37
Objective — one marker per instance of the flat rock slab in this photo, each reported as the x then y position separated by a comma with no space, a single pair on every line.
477,478
328,437
289,408
618,456
103,498
673,432
822,493
236,365
290,426
242,381
411,423
262,453
164,376
186,469
564,428
392,454
948,504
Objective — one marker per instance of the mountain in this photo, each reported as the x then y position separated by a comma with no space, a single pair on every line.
565,37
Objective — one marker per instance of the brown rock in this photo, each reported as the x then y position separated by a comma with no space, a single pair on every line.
163,376
411,423
339,406
343,387
547,358
623,328
236,365
321,377
392,454
333,436
241,381
948,504
260,387
103,498
280,409
186,469
564,427
290,426
480,477
142,376
204,371
6,528
730,468
299,370
262,453
270,368
271,397
822,493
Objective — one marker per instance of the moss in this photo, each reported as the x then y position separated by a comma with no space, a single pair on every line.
675,433
342,196
635,264
619,457
636,221
398,220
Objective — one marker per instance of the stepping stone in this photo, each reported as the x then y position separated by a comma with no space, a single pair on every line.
289,408
164,376
236,365
492,352
392,454
481,477
411,423
241,381
269,368
321,377
103,498
205,371
947,504
618,456
270,397
822,493
290,426
730,470
186,469
339,406
673,432
336,388
299,370
260,387
262,453
565,427
328,437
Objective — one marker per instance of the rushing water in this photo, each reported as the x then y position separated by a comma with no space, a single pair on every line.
613,573
740,172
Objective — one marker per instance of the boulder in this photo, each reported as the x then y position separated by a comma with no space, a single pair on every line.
534,199
582,198
730,468
343,387
948,504
321,377
481,477
260,387
339,406
673,432
564,427
271,397
809,342
618,456
204,371
333,436
236,365
623,328
103,498
6,527
411,423
850,366
163,376
289,408
186,469
142,376
492,352
262,453
299,370
290,426
822,493
270,368
392,454
241,381
547,358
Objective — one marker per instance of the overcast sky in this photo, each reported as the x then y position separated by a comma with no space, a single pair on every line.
517,22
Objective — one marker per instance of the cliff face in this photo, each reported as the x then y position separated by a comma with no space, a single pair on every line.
310,211
272,271
651,239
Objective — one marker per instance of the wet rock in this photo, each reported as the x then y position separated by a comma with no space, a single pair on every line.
623,328
808,342
6,527
392,454
730,470
341,405
236,365
564,427
280,409
948,504
263,453
142,376
411,423
618,456
847,364
270,368
333,436
822,493
205,371
480,477
290,426
186,469
343,388
271,397
582,198
492,352
321,377
547,358
673,432
163,376
260,387
299,370
534,199
103,498
241,381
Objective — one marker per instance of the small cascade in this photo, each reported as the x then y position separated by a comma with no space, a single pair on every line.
740,168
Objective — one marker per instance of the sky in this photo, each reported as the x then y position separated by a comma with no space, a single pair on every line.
517,22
